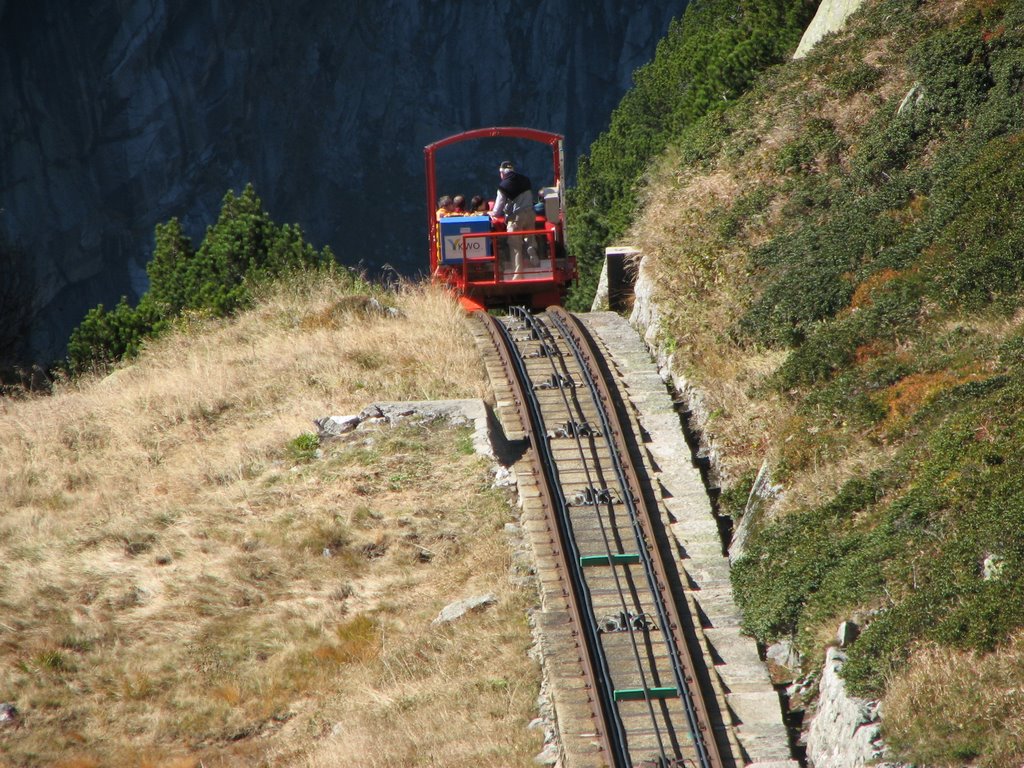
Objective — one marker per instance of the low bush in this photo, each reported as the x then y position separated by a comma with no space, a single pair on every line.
708,58
860,77
241,251
304,447
816,147
790,560
104,337
924,539
978,253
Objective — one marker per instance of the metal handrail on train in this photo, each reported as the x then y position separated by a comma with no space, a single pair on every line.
534,273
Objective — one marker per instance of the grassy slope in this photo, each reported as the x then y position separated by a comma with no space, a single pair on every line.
844,279
165,599
709,56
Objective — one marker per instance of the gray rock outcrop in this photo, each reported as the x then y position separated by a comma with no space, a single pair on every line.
458,609
845,731
472,413
830,17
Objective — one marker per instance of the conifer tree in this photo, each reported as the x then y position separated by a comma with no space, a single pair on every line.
243,248
171,258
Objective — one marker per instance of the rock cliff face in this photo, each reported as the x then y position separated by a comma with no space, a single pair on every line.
830,17
119,114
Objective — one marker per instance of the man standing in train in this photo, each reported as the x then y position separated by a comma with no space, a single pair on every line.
514,201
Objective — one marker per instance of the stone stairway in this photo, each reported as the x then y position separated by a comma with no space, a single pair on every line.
754,706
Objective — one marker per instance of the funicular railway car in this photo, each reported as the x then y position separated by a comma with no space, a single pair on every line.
472,253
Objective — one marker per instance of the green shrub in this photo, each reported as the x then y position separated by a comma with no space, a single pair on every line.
746,209
241,251
172,257
104,337
830,347
964,241
708,58
304,447
978,253
879,651
913,537
817,140
895,276
733,501
859,77
810,275
953,71
244,247
789,560
851,399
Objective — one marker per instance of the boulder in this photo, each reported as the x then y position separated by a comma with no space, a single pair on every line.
458,609
330,427
783,661
830,17
845,731
848,632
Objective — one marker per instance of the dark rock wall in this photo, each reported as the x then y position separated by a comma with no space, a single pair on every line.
119,114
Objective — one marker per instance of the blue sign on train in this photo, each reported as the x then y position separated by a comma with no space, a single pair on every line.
452,230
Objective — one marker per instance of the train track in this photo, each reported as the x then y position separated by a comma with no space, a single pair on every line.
643,670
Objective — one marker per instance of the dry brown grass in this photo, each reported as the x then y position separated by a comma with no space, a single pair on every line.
950,11
830,464
701,272
905,397
177,589
959,702
701,286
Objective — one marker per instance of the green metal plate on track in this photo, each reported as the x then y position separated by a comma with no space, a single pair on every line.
618,559
637,694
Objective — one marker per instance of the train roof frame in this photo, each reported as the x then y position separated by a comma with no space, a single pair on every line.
476,291
555,141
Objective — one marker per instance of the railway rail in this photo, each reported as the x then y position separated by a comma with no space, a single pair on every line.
643,671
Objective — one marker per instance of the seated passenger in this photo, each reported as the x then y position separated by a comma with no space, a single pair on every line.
478,205
460,206
445,206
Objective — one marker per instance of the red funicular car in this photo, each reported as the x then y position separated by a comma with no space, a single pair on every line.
471,252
